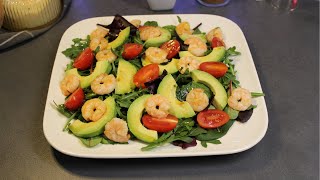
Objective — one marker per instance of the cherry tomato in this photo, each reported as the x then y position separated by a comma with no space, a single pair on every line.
212,118
75,100
84,60
217,42
131,50
172,47
216,69
146,74
160,124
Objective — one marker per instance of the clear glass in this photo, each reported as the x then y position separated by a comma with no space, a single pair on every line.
284,4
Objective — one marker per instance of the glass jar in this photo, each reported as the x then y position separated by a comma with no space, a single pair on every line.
30,14
1,13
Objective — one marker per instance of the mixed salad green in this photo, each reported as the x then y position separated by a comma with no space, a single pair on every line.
150,83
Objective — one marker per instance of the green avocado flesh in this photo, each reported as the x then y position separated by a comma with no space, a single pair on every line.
85,81
216,55
120,40
125,74
167,88
157,41
134,115
92,129
171,67
186,36
220,95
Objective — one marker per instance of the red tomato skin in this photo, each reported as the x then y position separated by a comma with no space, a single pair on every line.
131,50
172,47
217,42
146,74
160,124
84,60
75,100
212,118
216,69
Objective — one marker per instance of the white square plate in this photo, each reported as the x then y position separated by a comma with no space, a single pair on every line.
240,137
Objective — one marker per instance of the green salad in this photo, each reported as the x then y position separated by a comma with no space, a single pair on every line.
139,81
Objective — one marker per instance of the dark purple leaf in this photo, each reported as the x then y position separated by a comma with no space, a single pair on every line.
119,23
244,116
153,85
185,145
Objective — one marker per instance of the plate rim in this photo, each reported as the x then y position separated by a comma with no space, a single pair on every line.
155,154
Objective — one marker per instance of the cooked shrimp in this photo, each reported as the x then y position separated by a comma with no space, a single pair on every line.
157,106
156,55
147,32
106,55
100,32
136,22
216,32
93,109
183,28
103,84
188,62
101,42
69,84
197,99
117,130
240,99
196,46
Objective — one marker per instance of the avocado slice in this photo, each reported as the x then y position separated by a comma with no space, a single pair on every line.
125,74
220,99
157,41
171,67
120,40
216,55
183,37
167,88
92,129
85,81
134,121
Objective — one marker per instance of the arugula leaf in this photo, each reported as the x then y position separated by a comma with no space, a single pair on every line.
171,29
183,91
256,94
215,141
66,126
179,19
61,108
166,138
197,131
77,47
123,101
151,23
215,133
136,62
230,76
91,142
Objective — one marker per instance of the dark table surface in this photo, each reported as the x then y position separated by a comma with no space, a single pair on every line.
285,49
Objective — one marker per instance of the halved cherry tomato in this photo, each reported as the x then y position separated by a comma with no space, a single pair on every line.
172,47
212,118
160,124
217,42
216,69
146,74
131,50
84,60
75,100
